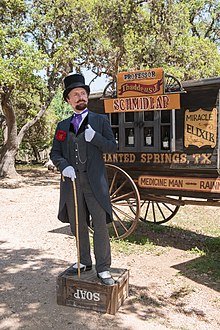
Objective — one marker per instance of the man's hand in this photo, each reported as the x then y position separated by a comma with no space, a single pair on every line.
69,172
89,133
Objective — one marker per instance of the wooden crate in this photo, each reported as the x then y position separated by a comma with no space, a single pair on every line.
89,293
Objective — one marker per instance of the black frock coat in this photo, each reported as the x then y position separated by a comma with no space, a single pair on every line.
103,142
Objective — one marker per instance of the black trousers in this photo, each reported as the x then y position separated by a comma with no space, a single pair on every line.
89,206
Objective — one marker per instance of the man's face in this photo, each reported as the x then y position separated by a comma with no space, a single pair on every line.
78,99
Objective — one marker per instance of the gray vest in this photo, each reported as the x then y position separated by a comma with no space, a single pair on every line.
78,151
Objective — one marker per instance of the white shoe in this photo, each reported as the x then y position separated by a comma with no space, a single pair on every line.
106,278
76,265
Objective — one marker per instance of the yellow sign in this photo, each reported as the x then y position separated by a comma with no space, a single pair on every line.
142,82
200,128
144,103
207,185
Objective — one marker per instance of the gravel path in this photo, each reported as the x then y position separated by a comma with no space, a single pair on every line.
36,247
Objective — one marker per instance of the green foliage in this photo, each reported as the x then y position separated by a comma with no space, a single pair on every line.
20,61
157,34
42,40
60,108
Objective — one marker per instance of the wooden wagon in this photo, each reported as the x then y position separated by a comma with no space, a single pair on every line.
168,146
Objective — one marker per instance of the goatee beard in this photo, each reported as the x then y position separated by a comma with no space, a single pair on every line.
81,106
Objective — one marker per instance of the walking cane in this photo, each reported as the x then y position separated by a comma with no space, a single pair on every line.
77,224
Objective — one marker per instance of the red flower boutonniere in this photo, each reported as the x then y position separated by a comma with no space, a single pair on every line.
61,135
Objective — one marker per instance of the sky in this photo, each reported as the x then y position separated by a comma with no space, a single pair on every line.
98,84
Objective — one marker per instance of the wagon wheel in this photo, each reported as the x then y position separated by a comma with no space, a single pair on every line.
172,84
110,90
159,210
124,196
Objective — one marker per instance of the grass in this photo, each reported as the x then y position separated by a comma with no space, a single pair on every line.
208,262
203,229
133,245
208,265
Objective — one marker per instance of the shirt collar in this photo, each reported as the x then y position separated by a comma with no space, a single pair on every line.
84,113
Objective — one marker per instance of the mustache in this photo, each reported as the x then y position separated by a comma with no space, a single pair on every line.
81,101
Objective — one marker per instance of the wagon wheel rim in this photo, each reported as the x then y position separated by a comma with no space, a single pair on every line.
172,84
158,212
124,195
110,91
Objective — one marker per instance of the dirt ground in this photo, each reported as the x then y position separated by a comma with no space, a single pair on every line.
36,247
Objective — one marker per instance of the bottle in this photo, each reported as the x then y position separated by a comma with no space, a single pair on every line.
165,141
131,138
148,138
116,138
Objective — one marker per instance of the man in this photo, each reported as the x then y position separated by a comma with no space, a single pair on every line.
77,151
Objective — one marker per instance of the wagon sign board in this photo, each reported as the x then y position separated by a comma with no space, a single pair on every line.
175,158
143,103
201,128
205,185
142,82
142,90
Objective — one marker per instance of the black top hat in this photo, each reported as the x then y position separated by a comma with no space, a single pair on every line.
73,81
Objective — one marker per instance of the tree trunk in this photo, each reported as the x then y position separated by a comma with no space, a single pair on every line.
7,163
10,146
36,153
12,140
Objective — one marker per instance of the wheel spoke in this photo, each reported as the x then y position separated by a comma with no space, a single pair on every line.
112,183
161,212
167,206
123,213
122,196
157,210
119,220
147,209
119,188
124,203
154,216
115,229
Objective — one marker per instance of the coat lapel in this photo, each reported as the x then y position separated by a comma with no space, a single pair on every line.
65,127
92,119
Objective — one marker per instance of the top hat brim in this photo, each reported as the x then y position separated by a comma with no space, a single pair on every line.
75,85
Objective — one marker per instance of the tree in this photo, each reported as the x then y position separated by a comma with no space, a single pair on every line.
156,33
19,81
38,47
43,40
